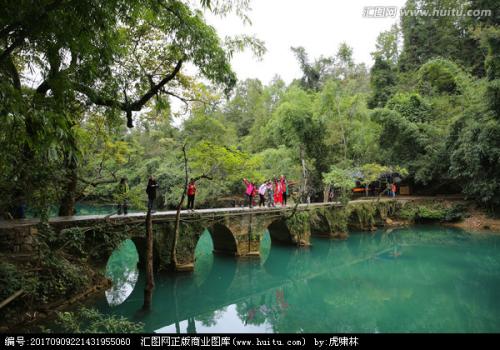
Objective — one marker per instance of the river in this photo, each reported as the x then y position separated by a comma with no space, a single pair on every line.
417,279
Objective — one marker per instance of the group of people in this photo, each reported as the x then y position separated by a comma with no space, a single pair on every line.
123,189
271,192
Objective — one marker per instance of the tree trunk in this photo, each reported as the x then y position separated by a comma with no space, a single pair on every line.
304,193
344,141
326,194
191,328
67,204
150,282
173,255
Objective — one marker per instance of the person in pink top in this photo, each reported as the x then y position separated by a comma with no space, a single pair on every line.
249,192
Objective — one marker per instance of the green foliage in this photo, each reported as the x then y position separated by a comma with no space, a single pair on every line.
89,320
490,40
132,54
339,220
363,215
474,147
432,211
279,161
411,106
64,139
439,76
246,107
387,46
11,279
450,37
382,81
61,268
409,141
372,171
493,96
298,223
341,179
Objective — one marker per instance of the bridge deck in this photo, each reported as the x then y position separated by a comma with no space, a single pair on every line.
159,215
170,215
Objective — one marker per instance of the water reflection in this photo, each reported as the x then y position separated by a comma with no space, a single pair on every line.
122,270
225,320
418,279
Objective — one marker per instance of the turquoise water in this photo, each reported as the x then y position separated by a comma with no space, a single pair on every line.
82,209
420,279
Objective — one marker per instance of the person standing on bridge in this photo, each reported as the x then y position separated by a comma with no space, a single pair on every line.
262,194
151,191
270,194
393,189
122,196
284,189
278,193
249,192
191,192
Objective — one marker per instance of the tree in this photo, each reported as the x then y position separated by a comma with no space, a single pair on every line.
490,40
371,173
434,35
411,143
382,81
341,178
131,58
387,46
294,125
313,73
474,142
440,76
344,63
474,148
246,106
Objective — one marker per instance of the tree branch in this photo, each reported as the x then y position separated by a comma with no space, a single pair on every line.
183,99
97,99
202,177
96,183
137,105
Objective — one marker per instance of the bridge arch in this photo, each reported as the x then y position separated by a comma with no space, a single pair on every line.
140,243
223,239
140,246
279,232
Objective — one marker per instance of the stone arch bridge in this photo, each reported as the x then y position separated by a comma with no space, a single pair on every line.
234,231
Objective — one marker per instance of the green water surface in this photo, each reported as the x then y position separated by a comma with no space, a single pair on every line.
419,279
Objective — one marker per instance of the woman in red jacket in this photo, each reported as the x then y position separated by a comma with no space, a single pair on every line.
278,192
191,192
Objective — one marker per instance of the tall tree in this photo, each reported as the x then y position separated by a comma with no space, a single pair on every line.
382,81
115,57
387,45
313,73
431,34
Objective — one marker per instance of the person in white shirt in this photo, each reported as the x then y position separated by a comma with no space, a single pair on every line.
262,194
